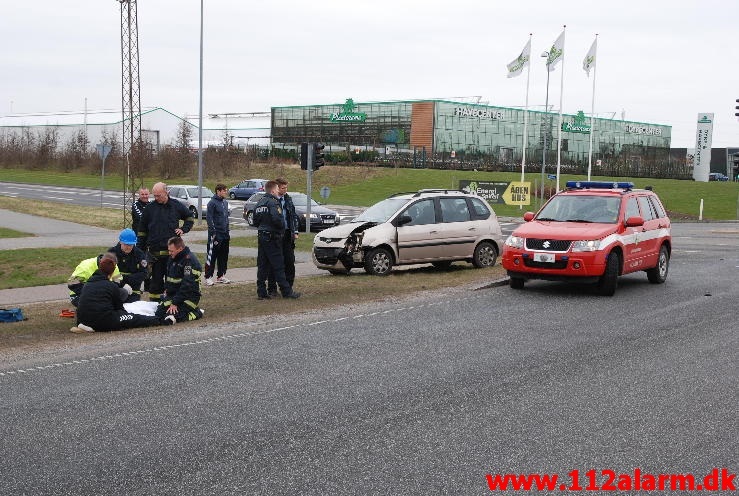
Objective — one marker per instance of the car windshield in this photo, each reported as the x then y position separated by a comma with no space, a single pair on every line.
301,200
581,208
193,192
381,212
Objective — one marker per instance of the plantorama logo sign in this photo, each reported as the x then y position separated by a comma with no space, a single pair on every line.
578,124
347,114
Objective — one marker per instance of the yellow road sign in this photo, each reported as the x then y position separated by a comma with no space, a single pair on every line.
518,193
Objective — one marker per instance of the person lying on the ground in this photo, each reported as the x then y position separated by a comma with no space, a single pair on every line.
101,304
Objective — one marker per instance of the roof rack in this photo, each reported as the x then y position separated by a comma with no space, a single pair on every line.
436,190
624,185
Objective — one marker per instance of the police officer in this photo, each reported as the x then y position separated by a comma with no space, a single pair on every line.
271,231
131,263
288,240
161,221
182,287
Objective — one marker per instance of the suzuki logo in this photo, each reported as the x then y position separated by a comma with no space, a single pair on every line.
546,244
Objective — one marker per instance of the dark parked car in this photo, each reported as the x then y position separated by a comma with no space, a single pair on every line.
717,176
320,216
245,189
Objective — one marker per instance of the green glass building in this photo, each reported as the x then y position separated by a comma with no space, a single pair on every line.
457,135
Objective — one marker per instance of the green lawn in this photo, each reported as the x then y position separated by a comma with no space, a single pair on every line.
364,186
304,242
12,233
42,266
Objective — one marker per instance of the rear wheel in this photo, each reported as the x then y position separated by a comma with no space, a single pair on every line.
609,279
250,218
485,255
379,262
658,274
232,195
516,283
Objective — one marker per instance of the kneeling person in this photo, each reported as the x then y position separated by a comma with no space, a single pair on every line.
100,305
131,263
182,283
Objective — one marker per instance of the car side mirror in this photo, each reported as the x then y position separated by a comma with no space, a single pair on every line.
634,221
528,216
403,220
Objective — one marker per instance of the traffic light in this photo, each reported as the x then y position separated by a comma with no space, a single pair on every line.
318,160
737,108
304,156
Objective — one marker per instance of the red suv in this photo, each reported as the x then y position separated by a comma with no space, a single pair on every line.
592,232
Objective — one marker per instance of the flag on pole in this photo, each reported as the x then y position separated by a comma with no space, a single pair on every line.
589,60
556,52
516,67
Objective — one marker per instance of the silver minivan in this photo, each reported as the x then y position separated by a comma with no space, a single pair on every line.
428,226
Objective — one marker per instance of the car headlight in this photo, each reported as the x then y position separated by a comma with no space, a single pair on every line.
515,242
586,245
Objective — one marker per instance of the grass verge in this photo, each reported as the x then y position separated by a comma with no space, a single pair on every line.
29,267
12,233
234,302
303,243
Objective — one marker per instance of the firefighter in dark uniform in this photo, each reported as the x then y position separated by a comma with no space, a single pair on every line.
138,207
271,231
131,263
182,286
161,221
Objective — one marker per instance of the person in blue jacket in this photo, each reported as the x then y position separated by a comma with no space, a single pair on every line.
219,237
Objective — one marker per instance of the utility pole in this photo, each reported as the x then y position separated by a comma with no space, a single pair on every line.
133,146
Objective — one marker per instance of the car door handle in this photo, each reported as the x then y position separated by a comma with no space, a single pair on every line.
472,229
433,232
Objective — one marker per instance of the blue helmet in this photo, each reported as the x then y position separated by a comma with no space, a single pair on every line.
128,237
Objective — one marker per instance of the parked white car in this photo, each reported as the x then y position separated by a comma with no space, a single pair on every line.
187,194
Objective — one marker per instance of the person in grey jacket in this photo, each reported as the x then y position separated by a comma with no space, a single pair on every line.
219,237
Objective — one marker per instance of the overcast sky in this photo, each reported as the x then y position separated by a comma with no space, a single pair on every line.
658,61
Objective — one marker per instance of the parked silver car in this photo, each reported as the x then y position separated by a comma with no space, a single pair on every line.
187,194
429,226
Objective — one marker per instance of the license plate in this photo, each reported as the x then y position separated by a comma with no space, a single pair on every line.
544,257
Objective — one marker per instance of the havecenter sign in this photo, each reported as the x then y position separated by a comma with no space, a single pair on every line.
513,193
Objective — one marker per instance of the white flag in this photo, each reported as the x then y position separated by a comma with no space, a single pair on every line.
556,52
516,67
589,60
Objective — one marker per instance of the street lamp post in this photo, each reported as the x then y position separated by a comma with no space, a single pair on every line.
546,131
200,126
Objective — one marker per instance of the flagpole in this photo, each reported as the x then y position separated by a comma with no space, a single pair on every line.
526,120
561,89
592,115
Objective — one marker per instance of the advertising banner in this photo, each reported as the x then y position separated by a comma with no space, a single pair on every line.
513,193
702,156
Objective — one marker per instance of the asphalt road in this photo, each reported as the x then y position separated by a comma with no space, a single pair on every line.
417,396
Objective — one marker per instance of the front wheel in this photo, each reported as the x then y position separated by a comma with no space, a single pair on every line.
658,274
194,212
250,218
379,262
516,283
609,279
485,255
232,195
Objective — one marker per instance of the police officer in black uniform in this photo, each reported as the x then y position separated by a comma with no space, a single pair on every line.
271,231
288,240
161,221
